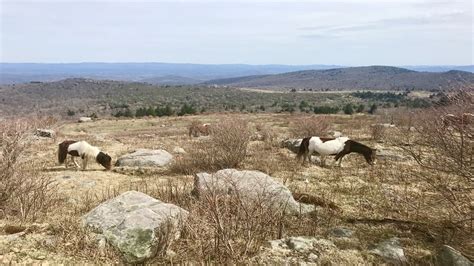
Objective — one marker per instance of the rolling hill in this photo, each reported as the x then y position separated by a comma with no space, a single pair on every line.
355,78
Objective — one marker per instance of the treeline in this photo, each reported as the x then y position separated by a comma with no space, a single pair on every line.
157,111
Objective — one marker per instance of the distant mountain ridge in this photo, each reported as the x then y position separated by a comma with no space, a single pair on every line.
161,73
355,78
26,72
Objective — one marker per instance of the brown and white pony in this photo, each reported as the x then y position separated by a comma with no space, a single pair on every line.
337,147
458,121
196,130
85,151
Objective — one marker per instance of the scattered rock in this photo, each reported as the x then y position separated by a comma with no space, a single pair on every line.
448,256
291,144
253,187
67,177
179,150
138,225
336,134
84,119
45,133
145,157
304,250
384,125
341,232
390,250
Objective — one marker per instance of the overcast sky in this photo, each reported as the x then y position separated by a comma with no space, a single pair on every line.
350,32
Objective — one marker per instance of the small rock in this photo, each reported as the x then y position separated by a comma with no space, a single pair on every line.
299,243
179,150
448,256
291,144
84,119
390,250
313,257
341,232
45,133
336,134
66,177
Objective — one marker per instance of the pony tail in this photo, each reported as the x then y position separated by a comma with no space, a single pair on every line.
303,148
62,152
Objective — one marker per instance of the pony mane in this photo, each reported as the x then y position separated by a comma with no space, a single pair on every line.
355,143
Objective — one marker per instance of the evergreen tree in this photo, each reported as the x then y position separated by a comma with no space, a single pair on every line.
348,109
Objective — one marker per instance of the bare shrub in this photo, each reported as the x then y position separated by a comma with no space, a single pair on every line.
309,126
231,228
444,159
266,133
226,147
24,192
377,132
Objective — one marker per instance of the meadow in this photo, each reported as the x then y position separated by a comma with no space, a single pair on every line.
418,191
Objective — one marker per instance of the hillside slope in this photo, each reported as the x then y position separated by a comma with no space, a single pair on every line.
356,78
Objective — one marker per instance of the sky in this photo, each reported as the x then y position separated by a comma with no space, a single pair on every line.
339,32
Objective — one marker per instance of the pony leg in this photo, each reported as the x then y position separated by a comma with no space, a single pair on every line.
340,162
339,157
74,161
84,163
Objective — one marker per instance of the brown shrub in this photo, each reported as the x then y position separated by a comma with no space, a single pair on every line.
444,163
377,132
24,191
226,147
227,228
309,126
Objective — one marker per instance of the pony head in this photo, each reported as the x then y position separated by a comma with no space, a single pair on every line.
105,160
370,157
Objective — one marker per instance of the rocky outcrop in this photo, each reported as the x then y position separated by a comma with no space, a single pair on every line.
138,225
145,158
305,250
253,187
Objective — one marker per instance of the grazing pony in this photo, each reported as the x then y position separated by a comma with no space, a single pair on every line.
458,121
338,147
196,130
85,151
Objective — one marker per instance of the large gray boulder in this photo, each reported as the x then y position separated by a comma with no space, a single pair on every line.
253,187
138,225
448,256
145,158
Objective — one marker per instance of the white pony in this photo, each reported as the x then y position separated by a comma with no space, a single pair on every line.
338,147
85,151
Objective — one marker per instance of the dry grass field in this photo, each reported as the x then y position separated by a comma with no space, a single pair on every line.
376,202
